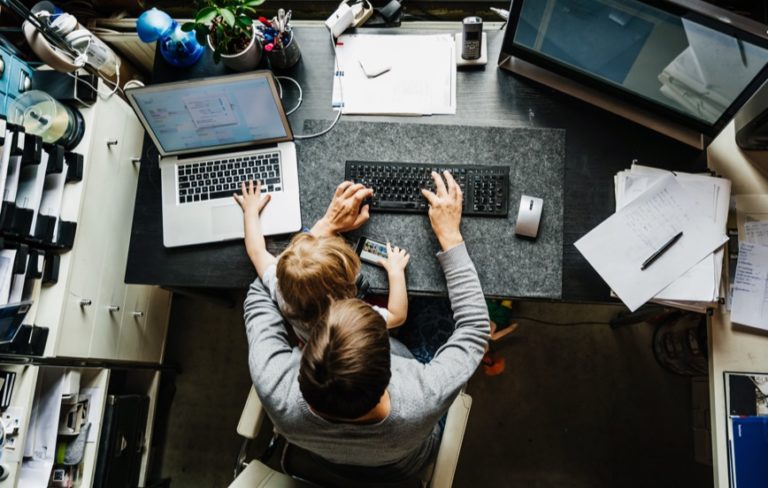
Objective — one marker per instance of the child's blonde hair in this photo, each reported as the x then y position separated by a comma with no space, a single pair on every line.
314,271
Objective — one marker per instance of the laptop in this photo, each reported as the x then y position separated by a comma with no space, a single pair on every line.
213,134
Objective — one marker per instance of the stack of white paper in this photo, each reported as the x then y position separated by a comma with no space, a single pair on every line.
699,287
419,75
653,206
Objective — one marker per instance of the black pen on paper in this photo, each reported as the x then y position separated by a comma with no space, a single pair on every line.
661,251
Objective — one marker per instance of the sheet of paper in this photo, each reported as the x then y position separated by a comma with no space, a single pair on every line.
756,232
5,159
12,180
618,247
7,257
750,287
53,195
31,182
40,450
421,79
750,208
711,195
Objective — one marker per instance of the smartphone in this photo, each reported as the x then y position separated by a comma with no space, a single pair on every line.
371,250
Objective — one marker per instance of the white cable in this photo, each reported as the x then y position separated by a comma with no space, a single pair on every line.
341,97
301,94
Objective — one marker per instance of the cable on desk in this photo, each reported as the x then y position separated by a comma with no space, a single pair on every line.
301,94
341,97
546,322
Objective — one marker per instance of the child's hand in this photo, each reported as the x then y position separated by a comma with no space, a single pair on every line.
397,260
251,201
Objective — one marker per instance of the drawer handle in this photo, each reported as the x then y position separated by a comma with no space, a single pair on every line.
113,308
111,142
135,161
137,314
85,302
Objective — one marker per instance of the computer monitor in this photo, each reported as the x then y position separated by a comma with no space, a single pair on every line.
681,67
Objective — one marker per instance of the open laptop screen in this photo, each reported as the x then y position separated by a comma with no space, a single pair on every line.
212,114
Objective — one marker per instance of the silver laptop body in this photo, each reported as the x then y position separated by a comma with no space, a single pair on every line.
213,134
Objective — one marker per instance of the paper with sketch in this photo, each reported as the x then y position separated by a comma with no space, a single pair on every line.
756,232
750,286
618,247
421,79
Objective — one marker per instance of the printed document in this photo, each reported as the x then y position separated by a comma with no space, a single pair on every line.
750,286
618,247
421,79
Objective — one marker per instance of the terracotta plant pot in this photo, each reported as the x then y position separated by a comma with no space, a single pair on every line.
245,60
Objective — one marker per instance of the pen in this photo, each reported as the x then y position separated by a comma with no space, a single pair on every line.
661,251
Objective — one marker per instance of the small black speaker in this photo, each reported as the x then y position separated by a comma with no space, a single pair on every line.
751,122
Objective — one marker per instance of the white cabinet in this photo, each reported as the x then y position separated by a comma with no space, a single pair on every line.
90,312
51,405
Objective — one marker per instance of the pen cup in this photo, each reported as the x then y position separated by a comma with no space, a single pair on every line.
287,57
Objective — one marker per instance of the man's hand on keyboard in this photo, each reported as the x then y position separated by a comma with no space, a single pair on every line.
346,211
251,200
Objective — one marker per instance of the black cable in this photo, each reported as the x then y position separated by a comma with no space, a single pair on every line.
545,322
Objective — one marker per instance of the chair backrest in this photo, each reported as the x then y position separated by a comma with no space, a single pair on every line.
307,466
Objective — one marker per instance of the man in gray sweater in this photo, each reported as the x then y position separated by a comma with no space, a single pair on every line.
349,400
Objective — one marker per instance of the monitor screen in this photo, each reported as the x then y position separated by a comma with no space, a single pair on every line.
671,60
211,114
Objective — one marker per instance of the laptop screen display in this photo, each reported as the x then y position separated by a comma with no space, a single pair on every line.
212,114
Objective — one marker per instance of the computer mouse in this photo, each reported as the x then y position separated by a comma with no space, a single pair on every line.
529,216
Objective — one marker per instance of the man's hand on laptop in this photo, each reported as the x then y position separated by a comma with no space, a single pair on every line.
445,210
251,200
346,211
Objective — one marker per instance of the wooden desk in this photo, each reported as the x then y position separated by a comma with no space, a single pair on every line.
598,144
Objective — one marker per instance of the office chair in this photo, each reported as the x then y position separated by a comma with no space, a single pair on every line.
255,474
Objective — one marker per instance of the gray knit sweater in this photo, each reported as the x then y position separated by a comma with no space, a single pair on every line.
419,393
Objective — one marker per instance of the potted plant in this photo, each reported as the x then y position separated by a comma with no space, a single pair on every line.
227,27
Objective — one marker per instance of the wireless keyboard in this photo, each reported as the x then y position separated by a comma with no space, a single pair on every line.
397,186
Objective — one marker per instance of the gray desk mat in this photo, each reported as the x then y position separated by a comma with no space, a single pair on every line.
508,266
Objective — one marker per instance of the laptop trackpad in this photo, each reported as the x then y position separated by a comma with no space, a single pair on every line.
226,220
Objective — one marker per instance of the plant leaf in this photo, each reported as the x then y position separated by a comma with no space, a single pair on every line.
201,38
206,14
244,21
254,3
247,10
188,26
227,15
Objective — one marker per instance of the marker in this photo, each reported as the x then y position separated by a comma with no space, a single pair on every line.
661,251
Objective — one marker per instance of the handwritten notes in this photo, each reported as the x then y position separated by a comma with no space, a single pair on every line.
617,247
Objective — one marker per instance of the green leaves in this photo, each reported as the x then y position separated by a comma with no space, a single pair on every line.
227,23
244,22
228,16
206,14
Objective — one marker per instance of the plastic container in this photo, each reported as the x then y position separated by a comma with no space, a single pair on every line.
287,57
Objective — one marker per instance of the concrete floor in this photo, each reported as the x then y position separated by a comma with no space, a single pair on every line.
577,406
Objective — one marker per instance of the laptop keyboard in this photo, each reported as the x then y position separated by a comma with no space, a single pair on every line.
221,178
